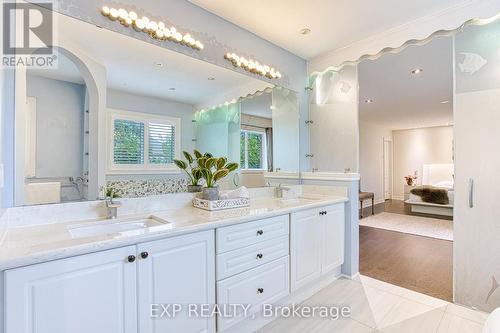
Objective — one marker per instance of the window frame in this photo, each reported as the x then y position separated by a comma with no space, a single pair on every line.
264,150
146,119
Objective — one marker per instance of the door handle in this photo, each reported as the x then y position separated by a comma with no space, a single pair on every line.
471,193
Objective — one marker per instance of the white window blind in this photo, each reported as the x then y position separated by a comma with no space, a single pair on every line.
161,143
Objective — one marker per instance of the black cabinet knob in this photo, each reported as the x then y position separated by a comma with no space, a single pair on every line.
144,255
260,232
260,291
259,256
131,258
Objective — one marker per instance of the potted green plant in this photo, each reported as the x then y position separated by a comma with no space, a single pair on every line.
192,171
213,170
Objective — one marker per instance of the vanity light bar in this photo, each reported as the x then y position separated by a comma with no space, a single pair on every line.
252,66
156,30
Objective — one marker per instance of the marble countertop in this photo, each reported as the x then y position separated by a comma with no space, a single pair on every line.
21,246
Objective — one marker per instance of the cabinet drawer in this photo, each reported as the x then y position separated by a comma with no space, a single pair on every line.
240,260
245,234
265,284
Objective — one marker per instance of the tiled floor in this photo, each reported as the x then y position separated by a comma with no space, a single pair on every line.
377,306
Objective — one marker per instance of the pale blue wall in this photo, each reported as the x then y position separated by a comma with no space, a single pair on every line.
59,124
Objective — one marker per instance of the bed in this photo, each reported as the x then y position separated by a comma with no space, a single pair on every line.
439,176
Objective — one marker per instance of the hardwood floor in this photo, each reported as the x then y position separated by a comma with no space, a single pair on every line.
414,262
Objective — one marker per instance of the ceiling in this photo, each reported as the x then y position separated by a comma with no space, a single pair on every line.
402,100
142,68
333,23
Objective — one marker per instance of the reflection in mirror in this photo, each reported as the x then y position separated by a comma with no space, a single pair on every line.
105,119
56,135
334,115
265,126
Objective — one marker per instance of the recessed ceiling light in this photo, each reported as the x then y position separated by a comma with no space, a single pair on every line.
368,101
445,102
171,89
417,71
211,79
305,31
159,64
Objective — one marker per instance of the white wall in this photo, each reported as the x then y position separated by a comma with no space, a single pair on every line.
371,158
416,147
59,125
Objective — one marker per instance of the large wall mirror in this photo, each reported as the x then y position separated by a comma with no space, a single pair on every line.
117,111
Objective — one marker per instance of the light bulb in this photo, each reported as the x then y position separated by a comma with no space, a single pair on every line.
178,37
113,13
173,30
139,25
201,46
153,26
278,74
133,16
166,33
128,21
122,13
159,34
145,20
105,10
186,38
267,68
161,25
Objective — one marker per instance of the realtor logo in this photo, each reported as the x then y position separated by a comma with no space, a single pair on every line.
28,34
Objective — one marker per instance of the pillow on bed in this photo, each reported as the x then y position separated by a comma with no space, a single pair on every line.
448,184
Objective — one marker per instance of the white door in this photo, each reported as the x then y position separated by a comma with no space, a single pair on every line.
89,293
178,270
477,163
305,247
387,169
333,237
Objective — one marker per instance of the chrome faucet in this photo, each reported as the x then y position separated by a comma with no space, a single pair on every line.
112,208
280,189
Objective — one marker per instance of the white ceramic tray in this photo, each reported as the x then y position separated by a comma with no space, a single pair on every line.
221,204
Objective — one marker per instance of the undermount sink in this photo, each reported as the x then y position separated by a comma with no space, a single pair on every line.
107,227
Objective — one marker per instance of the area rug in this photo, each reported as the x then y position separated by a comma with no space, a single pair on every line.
408,224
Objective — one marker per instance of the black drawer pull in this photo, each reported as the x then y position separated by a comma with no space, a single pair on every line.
144,255
260,291
260,232
259,256
131,258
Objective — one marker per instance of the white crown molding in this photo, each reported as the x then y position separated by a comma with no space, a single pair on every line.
448,19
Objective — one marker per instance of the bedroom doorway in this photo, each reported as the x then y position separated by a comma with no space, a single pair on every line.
406,161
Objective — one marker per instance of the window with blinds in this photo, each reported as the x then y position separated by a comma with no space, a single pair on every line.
143,142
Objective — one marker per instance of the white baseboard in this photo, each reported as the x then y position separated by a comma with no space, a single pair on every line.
350,277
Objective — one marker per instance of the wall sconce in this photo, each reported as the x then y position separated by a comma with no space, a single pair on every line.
252,66
156,30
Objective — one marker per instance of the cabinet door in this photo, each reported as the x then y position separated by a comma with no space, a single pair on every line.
89,293
305,247
333,237
178,270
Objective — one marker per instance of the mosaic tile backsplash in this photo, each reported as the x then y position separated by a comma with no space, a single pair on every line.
144,188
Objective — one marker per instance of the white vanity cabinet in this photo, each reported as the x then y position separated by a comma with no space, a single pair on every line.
88,293
112,291
316,243
180,271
